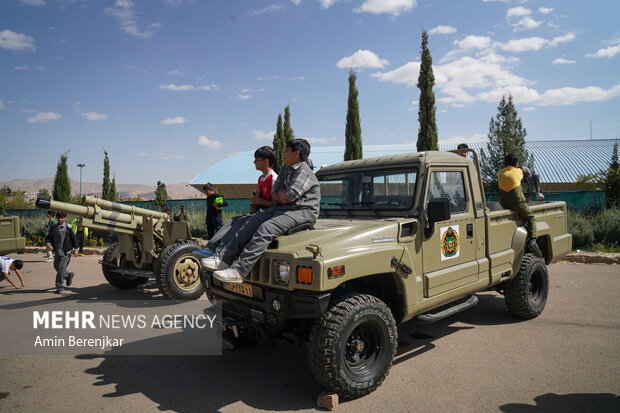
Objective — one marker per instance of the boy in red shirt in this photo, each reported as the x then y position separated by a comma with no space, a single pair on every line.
264,157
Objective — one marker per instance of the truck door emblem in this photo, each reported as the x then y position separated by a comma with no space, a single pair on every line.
449,242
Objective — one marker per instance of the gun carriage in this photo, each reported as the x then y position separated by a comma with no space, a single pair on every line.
149,246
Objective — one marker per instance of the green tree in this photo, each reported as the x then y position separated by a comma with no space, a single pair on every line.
161,196
278,145
5,191
44,194
113,193
607,181
106,187
61,190
506,135
353,130
427,134
288,130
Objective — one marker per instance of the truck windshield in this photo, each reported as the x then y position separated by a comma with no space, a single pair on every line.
369,190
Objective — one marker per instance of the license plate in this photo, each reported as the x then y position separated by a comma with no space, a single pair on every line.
243,289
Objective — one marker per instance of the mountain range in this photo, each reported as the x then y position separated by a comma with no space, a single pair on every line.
147,192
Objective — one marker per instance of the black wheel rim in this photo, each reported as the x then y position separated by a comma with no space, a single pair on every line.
537,287
363,349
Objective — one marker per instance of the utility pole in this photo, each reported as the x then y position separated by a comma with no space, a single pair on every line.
81,165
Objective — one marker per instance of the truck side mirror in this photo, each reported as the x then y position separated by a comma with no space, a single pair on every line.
438,209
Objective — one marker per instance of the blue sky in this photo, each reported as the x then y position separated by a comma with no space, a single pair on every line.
169,87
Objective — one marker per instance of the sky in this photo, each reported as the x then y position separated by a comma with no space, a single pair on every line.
170,87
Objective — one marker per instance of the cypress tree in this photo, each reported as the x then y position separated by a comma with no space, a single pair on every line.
278,145
288,130
113,193
62,186
506,135
161,196
106,187
353,130
427,134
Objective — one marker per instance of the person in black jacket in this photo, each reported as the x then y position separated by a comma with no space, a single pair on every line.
215,203
63,242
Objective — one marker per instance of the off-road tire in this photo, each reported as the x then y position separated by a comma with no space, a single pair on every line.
352,346
526,294
123,282
178,276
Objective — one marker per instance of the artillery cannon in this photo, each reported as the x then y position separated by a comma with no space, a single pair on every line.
149,246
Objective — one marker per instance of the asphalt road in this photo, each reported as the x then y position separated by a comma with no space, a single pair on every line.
483,359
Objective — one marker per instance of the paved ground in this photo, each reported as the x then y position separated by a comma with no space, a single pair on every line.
483,359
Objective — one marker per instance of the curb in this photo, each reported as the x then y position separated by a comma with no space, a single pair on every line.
86,251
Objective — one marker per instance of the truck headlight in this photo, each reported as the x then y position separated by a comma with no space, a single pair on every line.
283,272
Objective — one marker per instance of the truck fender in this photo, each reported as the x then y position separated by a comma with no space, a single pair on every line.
519,238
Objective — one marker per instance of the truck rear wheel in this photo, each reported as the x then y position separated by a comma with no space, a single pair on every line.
178,277
352,346
124,282
526,294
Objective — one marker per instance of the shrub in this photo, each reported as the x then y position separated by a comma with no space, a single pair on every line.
607,227
581,229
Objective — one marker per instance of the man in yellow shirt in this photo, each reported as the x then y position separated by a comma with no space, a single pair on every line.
511,197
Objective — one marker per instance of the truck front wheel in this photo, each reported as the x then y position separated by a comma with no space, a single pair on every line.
178,276
526,294
352,346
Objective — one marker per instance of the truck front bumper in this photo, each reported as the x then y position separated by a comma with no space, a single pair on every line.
266,309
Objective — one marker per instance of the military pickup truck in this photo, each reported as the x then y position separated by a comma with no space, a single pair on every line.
11,239
402,237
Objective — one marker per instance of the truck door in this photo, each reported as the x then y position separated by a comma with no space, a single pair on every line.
449,254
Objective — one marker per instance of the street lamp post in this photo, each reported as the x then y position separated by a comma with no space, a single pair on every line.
81,165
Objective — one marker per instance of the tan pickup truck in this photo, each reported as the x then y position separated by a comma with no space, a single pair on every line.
398,237
11,239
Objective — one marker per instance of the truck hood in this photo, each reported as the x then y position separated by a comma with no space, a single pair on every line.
337,235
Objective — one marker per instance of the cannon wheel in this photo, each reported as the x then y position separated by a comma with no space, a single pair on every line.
124,282
178,277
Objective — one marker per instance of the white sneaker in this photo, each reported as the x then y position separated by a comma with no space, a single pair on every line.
214,263
540,196
228,275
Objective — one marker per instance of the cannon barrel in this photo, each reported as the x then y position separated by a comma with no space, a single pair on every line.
110,220
127,209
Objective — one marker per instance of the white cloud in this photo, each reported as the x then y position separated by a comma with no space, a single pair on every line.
242,96
33,2
2,104
561,61
571,95
526,23
92,116
518,12
523,45
258,134
362,58
26,67
442,30
474,42
269,9
210,87
42,117
16,41
125,14
320,140
561,39
143,154
407,74
545,10
296,2
326,4
177,88
204,141
393,7
177,120
608,52
175,72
